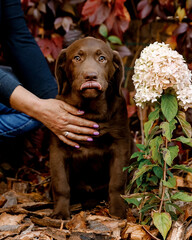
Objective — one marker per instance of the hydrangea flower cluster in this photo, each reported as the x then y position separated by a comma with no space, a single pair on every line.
158,68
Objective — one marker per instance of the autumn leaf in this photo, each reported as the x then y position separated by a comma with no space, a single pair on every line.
51,47
172,41
64,22
113,14
144,8
181,13
96,11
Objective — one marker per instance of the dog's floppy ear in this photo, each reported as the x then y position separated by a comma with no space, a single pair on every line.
119,72
60,72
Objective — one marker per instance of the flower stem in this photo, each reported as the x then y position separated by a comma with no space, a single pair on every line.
164,178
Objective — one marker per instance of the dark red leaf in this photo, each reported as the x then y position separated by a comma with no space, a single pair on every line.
46,46
118,20
76,1
100,15
189,40
90,7
58,40
190,66
141,5
181,29
145,11
159,12
123,51
131,109
51,5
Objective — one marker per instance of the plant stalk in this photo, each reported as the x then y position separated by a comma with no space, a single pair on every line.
164,178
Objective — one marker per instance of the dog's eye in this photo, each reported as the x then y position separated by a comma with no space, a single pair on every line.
102,58
77,58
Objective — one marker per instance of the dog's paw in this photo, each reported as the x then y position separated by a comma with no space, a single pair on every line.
60,215
119,209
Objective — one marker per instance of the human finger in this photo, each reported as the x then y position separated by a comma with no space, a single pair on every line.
79,121
71,109
68,141
82,130
76,137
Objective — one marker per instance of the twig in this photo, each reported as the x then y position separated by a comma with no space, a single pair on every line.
141,124
134,8
150,233
164,178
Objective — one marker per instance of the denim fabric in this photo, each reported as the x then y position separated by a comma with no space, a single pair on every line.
12,122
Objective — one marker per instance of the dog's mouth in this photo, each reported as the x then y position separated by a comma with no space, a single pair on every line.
91,85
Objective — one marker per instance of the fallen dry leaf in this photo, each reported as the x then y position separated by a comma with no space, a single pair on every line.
135,232
177,231
77,222
8,219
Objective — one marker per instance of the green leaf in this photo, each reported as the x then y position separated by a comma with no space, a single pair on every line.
147,127
171,183
184,124
154,115
139,181
134,201
137,154
174,150
144,162
182,196
103,30
158,171
155,145
167,128
148,207
153,179
169,106
139,172
162,222
141,147
167,156
131,167
170,154
185,140
183,167
152,133
175,206
114,39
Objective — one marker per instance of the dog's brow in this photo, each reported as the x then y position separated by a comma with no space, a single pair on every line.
80,52
98,52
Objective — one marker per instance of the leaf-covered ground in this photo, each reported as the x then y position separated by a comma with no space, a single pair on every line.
25,203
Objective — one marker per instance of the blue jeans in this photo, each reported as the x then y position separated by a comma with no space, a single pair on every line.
12,122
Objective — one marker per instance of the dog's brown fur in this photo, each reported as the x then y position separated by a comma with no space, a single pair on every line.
104,158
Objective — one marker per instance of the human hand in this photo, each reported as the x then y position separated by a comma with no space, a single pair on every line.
65,121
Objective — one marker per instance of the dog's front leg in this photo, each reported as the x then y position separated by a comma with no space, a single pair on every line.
117,184
60,185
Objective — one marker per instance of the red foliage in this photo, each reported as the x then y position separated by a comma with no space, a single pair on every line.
51,47
113,13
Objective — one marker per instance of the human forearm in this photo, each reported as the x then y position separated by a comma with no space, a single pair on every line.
57,115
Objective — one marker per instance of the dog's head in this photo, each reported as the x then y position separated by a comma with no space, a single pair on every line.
88,67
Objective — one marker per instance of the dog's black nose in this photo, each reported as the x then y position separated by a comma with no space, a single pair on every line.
90,76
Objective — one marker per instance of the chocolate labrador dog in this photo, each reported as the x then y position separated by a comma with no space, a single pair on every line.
89,75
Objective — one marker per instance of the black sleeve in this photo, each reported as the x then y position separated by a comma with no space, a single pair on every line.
23,54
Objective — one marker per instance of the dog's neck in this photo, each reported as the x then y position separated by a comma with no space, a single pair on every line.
95,108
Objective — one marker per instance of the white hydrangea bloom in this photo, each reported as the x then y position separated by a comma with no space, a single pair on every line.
158,68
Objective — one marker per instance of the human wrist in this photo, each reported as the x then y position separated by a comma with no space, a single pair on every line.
31,105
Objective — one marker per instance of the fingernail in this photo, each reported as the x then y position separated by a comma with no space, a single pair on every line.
89,139
95,125
77,146
96,133
80,111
